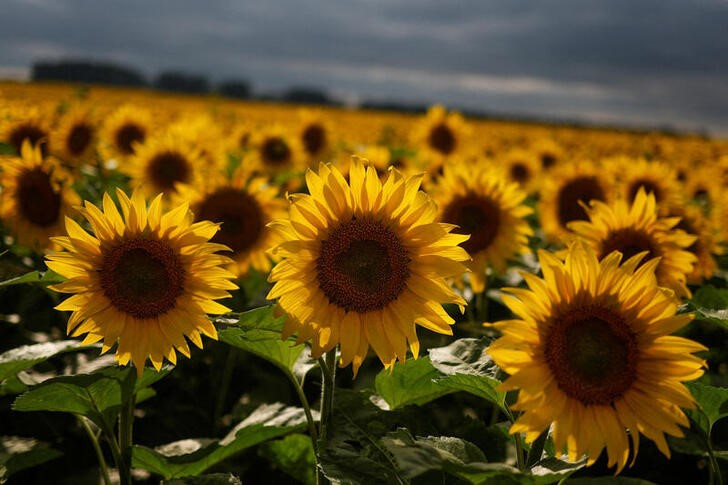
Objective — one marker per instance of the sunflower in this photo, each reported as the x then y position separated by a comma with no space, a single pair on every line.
36,195
520,166
275,152
21,124
440,135
706,245
145,279
634,228
563,193
549,152
703,185
592,353
244,205
315,135
205,136
489,209
123,131
363,263
162,162
654,176
74,139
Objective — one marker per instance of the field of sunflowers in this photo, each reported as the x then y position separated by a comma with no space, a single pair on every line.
197,290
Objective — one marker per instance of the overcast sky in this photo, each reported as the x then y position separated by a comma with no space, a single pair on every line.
633,62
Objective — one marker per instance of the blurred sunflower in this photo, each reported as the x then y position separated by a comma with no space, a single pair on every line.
656,177
439,135
74,138
634,228
21,124
315,135
363,263
123,131
565,190
703,186
145,279
489,209
243,205
274,152
520,166
549,152
200,132
706,245
592,353
36,195
161,163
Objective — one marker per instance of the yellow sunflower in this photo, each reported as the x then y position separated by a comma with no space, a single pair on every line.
521,166
703,185
592,353
440,135
74,139
315,134
549,152
36,195
122,131
244,205
363,263
145,279
706,245
654,176
564,191
275,152
205,136
161,163
489,209
634,228
21,124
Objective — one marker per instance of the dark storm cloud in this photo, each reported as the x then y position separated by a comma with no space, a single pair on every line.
657,62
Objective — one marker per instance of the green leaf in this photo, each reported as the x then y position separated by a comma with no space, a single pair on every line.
711,303
211,479
410,383
21,358
713,403
35,277
609,481
194,456
17,454
466,366
259,333
294,455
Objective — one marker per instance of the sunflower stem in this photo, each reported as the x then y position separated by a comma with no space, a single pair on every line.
97,449
328,381
534,454
520,459
309,416
225,380
126,426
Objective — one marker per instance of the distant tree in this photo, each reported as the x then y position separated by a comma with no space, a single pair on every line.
307,95
234,88
182,82
87,72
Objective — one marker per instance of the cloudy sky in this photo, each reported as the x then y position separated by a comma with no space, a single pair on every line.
630,62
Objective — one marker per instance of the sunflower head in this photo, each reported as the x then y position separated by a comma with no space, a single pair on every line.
123,131
440,135
74,139
275,152
26,124
315,134
36,196
590,353
363,262
144,279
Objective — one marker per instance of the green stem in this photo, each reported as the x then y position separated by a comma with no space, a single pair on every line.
225,380
97,449
520,458
126,426
328,383
309,419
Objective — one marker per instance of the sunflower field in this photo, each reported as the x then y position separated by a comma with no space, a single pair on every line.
196,290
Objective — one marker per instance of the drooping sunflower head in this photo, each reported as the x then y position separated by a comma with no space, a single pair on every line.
23,124
565,192
590,353
275,152
144,279
243,205
632,228
36,196
364,262
163,162
123,131
74,138
440,134
490,209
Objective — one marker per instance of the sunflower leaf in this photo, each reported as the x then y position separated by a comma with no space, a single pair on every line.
21,358
412,382
37,277
193,456
18,453
211,479
713,403
294,455
711,304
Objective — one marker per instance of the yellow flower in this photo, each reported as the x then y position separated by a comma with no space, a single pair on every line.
315,134
363,263
488,208
122,131
275,152
521,166
633,228
656,177
440,135
36,195
74,139
706,244
21,124
145,279
592,353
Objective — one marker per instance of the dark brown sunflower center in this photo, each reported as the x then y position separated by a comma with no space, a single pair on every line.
314,138
362,266
582,189
37,200
629,242
168,168
547,160
442,139
592,353
648,185
275,152
475,215
127,135
142,277
79,138
33,133
240,214
520,172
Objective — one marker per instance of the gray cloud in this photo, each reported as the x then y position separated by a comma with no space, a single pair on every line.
654,62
